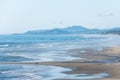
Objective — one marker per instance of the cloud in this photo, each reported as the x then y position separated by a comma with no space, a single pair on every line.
106,15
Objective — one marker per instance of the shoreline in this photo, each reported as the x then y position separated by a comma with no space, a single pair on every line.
82,66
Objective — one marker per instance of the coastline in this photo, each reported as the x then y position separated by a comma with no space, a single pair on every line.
79,68
83,66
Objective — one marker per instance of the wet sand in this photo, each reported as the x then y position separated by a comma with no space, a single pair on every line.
84,66
88,68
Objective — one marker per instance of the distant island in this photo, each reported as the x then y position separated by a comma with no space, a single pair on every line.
72,30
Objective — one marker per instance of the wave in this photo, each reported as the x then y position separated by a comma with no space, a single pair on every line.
4,45
10,58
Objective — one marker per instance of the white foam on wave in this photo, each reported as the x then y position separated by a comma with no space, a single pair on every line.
43,45
16,55
54,72
17,75
86,76
56,58
46,59
5,45
83,51
30,76
41,72
99,49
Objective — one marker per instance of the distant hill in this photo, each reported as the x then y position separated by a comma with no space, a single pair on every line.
68,30
47,32
113,31
73,30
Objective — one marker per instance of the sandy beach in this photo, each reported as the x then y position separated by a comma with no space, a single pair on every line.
89,65
88,68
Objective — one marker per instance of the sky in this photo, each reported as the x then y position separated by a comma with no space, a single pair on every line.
17,16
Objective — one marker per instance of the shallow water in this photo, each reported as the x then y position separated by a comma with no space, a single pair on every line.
40,72
22,48
17,48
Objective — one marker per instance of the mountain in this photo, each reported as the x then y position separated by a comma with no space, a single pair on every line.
47,32
78,30
73,30
113,31
68,30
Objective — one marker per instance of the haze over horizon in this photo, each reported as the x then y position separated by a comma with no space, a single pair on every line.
18,16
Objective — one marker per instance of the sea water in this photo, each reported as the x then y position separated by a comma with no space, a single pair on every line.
40,72
41,48
17,48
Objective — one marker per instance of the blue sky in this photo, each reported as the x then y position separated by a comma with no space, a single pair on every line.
22,15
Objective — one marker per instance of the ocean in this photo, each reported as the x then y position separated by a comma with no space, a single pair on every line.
41,48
